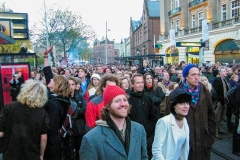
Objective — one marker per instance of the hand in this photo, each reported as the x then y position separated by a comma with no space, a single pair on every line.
48,51
41,157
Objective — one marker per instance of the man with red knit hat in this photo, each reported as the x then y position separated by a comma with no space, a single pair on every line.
115,135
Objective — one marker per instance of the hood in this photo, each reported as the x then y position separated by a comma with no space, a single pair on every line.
101,123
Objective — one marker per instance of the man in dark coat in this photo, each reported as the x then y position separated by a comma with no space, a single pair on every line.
221,87
201,117
143,111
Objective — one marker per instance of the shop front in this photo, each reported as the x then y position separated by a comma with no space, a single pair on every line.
172,57
192,55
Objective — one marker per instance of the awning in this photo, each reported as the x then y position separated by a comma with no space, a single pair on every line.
4,39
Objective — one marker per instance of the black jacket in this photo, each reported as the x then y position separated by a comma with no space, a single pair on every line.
78,117
143,111
218,86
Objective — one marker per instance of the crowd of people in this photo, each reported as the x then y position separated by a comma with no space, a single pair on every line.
120,112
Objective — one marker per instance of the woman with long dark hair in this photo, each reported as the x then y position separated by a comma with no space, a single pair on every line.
154,91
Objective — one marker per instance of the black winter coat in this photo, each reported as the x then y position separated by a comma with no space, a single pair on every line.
143,111
157,97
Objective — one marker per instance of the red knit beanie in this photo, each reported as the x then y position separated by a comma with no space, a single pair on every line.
111,92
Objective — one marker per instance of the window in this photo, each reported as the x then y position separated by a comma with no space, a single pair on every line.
224,12
235,8
172,25
200,18
177,25
172,5
176,3
193,21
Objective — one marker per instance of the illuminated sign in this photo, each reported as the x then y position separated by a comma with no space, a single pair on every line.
190,44
6,26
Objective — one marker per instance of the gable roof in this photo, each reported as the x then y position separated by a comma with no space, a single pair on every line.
153,8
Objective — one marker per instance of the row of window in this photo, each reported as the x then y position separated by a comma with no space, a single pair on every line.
235,12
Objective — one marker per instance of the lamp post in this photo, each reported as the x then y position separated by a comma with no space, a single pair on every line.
106,44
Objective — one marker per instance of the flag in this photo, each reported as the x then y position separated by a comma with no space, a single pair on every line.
172,40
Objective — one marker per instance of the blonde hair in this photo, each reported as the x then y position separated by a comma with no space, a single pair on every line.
62,86
33,93
209,86
233,76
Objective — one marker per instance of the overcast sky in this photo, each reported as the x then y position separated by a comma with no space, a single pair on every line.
94,12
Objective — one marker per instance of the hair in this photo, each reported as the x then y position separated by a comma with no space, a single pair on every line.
73,79
144,78
84,69
171,86
135,75
129,73
103,82
62,86
121,79
91,83
233,76
209,87
105,111
221,69
40,76
33,93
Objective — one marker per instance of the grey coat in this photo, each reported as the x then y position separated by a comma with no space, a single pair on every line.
101,143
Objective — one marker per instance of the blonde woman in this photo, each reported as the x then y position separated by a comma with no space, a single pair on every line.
205,82
24,123
57,108
92,87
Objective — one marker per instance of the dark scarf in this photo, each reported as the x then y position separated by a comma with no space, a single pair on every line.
194,92
113,126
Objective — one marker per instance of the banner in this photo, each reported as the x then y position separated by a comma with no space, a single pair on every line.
205,34
172,40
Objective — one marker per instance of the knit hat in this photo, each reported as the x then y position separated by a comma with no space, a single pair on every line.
187,68
111,92
178,96
95,76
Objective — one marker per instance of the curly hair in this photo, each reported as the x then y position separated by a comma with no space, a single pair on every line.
33,93
62,86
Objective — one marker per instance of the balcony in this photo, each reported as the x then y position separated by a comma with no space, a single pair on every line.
174,11
226,23
196,2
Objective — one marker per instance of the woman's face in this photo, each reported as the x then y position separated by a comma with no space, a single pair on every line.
236,71
235,79
38,76
156,81
95,82
128,76
125,84
148,80
182,108
78,87
204,81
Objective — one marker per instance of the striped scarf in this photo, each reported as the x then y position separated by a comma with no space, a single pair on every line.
194,92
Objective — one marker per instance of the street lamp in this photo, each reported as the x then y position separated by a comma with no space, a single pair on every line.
106,44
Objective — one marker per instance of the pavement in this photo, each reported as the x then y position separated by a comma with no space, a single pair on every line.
222,149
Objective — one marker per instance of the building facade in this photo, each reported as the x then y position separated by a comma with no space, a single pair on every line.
144,33
186,16
99,52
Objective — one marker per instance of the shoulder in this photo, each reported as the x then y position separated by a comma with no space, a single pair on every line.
94,134
97,100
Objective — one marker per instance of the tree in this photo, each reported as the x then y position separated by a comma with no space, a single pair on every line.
65,29
15,48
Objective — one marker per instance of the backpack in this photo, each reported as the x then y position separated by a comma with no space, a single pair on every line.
231,95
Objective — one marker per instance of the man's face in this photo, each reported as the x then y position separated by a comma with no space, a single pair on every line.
179,72
67,73
158,70
183,65
138,84
119,73
108,71
33,75
229,71
81,73
119,107
193,77
166,76
99,70
72,86
223,73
